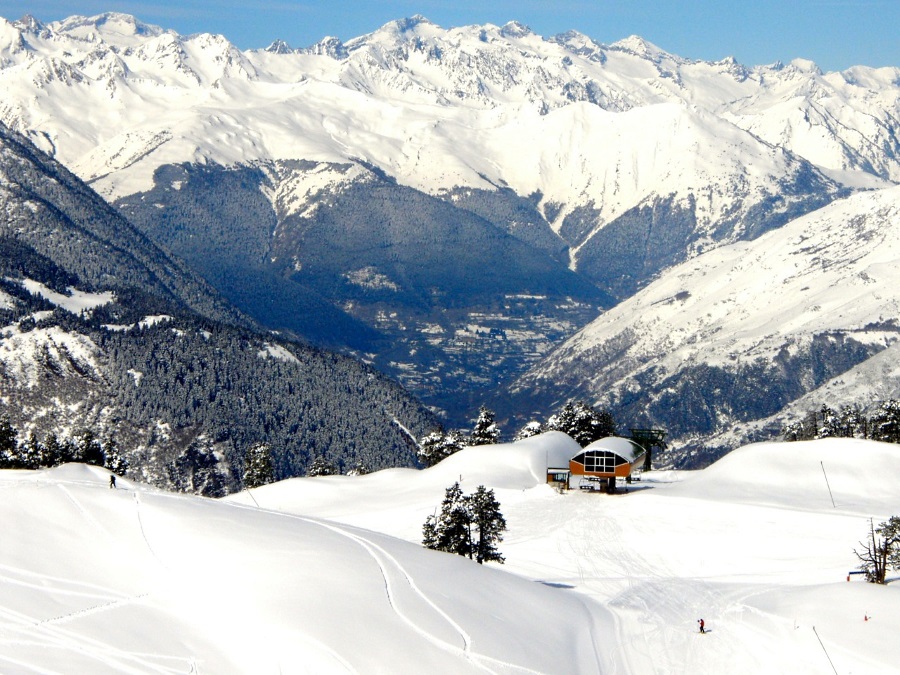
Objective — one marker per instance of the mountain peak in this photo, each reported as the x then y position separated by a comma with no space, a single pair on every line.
638,46
111,27
579,43
328,46
409,24
806,66
28,24
514,29
279,47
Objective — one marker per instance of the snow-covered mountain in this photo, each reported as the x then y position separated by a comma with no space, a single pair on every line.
592,131
566,173
326,575
736,334
410,88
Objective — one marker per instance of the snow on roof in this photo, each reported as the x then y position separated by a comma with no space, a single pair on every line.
623,447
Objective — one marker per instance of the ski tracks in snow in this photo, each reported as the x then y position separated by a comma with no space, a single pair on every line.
50,633
385,562
21,629
84,512
390,569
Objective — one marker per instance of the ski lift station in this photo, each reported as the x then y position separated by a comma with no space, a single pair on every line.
597,466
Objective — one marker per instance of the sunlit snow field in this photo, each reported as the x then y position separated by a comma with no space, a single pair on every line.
313,575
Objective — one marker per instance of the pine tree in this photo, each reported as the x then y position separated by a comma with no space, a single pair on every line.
68,451
485,431
90,450
115,460
52,451
829,423
532,428
881,550
489,523
852,423
359,469
30,452
429,533
321,467
259,469
583,423
451,531
430,448
453,443
9,444
890,530
802,430
885,422
437,446
198,470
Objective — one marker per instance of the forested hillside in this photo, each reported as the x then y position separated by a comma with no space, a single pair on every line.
101,331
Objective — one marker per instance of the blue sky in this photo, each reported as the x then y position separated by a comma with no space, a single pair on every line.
834,33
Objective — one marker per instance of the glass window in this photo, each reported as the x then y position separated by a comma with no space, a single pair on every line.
600,461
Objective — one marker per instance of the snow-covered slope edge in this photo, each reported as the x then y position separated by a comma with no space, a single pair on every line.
104,581
757,544
738,333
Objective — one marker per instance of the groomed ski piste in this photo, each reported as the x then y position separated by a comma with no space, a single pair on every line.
326,575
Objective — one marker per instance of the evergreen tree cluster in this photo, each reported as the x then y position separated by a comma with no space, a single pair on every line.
438,445
850,421
581,421
320,466
35,453
199,469
162,387
468,525
224,383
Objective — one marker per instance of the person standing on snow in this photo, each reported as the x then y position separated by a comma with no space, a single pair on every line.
702,625
112,481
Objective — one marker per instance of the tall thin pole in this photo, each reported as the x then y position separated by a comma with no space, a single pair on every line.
825,650
828,484
252,497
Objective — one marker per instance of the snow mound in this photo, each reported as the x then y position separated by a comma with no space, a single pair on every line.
137,580
860,476
405,497
514,466
752,544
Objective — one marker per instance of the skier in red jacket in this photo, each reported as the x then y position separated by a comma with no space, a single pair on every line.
702,625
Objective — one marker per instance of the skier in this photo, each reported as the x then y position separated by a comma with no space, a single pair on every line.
112,481
702,625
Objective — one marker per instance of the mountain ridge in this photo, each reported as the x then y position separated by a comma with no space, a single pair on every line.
734,335
613,162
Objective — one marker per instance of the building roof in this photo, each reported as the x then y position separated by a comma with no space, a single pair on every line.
623,447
